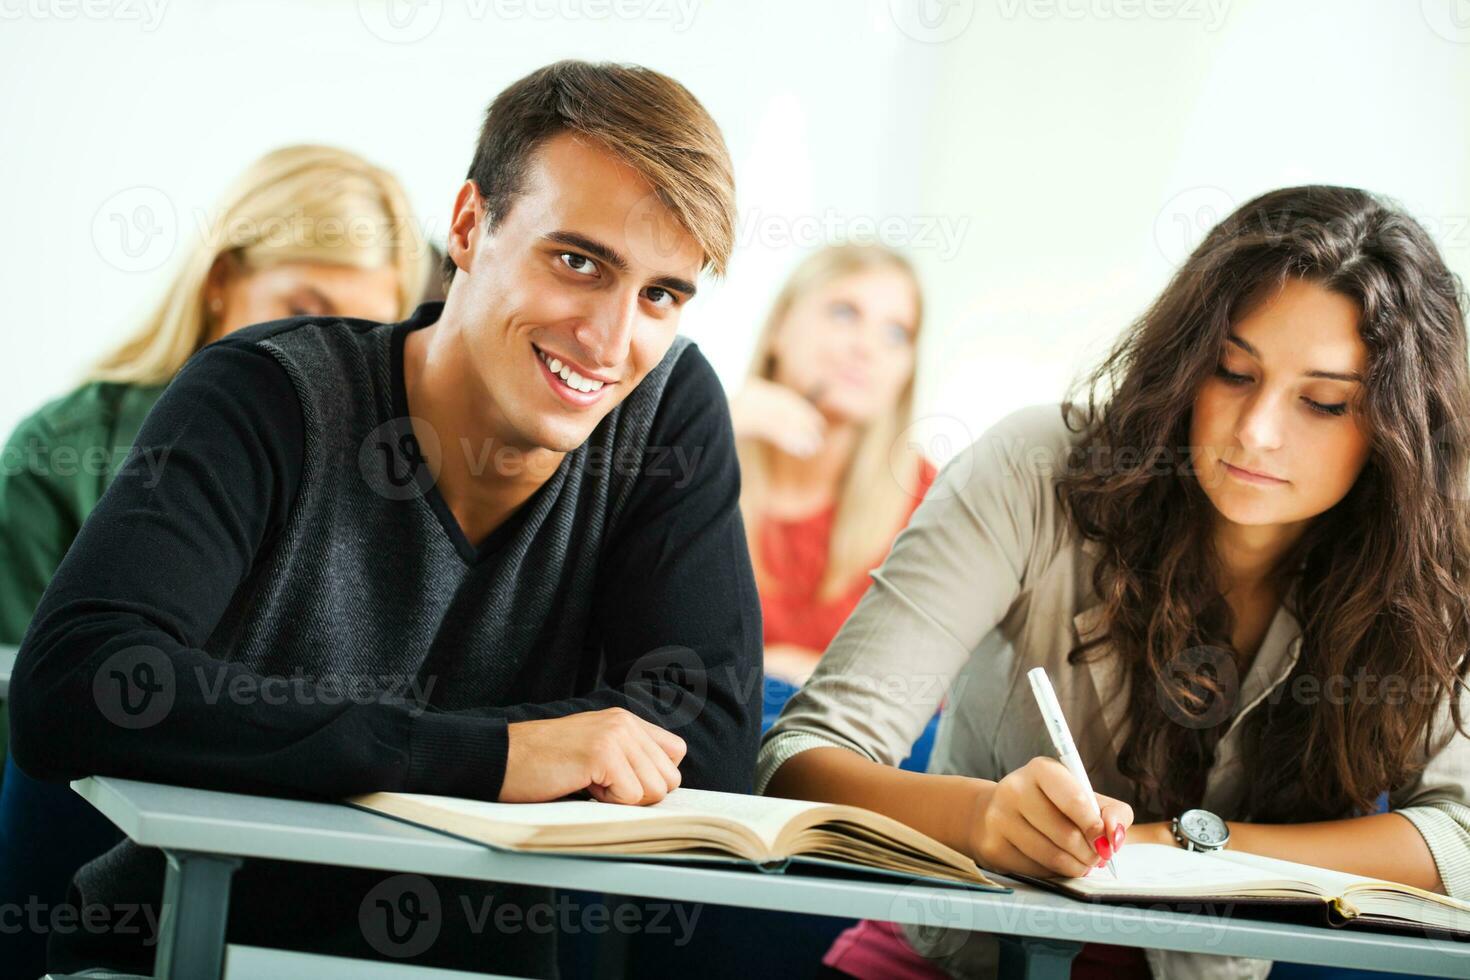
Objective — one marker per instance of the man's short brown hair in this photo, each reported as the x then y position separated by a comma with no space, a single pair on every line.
646,118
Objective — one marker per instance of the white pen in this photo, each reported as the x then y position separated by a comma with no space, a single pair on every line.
1061,736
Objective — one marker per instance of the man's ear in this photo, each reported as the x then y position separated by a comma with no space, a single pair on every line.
467,225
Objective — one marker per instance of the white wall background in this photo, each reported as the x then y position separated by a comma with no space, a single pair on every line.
1046,162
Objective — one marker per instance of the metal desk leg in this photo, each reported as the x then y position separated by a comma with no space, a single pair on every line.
1033,958
196,906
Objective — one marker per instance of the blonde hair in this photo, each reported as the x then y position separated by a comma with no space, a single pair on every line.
303,203
872,500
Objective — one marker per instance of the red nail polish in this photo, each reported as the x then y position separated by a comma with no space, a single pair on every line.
1118,833
1104,848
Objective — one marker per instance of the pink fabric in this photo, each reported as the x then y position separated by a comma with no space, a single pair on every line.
878,951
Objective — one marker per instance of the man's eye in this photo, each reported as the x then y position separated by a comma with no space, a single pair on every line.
661,297
579,264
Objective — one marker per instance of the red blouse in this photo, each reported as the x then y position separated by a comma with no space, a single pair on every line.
794,556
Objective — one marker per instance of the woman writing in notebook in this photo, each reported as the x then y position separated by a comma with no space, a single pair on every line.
1243,562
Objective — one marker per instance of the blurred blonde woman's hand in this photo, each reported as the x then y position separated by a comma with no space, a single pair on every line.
778,415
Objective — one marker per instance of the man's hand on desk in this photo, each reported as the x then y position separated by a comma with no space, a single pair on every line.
613,754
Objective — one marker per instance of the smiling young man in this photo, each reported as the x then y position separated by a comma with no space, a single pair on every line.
467,521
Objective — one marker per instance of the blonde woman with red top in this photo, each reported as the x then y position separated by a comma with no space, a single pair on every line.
827,477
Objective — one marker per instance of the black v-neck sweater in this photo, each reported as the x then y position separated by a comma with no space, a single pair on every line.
287,607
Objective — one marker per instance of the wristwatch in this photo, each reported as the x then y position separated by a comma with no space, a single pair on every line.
1200,830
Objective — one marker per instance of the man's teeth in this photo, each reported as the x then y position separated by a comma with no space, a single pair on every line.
571,378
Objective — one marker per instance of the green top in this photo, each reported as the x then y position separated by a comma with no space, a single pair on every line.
52,473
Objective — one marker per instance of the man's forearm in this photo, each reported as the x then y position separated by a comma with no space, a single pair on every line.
1384,845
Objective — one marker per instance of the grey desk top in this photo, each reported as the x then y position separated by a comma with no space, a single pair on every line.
323,833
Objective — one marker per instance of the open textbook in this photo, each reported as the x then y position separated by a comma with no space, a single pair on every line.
1158,872
694,824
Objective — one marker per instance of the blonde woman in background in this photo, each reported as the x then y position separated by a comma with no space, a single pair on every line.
305,230
826,481
827,477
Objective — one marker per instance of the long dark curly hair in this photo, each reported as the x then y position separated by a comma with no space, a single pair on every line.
1382,575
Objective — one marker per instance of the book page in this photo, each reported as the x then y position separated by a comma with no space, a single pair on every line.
561,813
763,815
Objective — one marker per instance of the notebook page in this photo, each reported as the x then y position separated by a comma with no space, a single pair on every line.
1161,869
1333,883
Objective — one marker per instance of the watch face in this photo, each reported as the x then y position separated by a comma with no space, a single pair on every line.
1203,827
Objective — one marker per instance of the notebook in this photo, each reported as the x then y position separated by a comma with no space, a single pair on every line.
1158,872
764,832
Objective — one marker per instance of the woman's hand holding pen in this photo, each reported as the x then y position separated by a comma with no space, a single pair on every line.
1038,821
